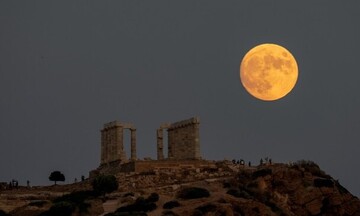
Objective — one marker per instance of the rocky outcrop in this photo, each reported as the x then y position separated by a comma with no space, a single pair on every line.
300,189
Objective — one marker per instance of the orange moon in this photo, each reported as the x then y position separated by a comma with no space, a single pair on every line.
268,72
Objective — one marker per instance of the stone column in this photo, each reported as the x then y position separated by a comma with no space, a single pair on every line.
102,147
197,139
171,143
133,143
112,142
106,146
120,144
160,144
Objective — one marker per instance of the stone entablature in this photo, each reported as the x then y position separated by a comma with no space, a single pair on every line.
185,123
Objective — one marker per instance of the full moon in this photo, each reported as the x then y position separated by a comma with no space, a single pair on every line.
268,72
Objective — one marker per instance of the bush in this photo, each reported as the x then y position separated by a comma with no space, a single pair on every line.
305,163
206,208
226,185
154,197
171,204
140,205
243,174
252,185
76,200
325,206
261,173
238,193
61,209
2,213
168,213
278,183
312,168
193,193
256,210
274,208
197,212
323,182
234,192
103,184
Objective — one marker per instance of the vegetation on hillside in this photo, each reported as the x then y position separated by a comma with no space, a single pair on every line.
56,176
192,193
104,184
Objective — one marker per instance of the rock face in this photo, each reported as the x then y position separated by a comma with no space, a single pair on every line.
300,189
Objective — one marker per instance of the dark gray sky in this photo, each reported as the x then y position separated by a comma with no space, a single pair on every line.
68,67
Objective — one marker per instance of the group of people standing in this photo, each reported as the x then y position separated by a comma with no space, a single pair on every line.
262,161
14,184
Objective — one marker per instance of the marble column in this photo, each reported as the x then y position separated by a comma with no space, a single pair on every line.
102,147
160,144
133,144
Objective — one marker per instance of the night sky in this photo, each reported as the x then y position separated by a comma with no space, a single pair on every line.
66,68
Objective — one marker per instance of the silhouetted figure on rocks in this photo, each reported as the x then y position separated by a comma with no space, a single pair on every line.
270,161
28,183
82,178
14,184
242,162
249,163
261,161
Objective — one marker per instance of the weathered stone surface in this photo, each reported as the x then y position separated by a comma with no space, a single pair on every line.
112,144
335,199
184,141
327,190
304,196
133,144
352,207
160,144
314,207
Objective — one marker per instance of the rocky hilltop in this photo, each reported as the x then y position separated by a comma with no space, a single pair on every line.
225,189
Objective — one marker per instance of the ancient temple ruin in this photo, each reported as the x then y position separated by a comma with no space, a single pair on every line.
112,142
183,148
183,140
